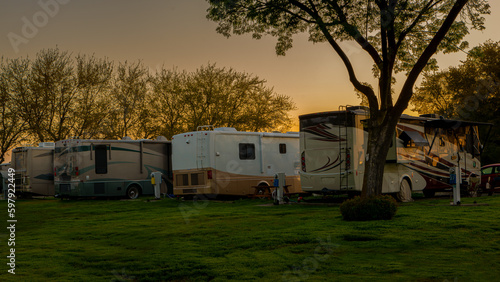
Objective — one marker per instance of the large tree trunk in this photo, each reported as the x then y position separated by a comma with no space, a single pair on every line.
378,144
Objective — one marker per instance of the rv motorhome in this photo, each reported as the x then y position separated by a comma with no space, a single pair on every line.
33,166
111,168
224,161
424,150
4,180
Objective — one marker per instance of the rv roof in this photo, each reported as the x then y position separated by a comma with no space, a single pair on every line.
352,110
235,132
46,145
108,141
231,129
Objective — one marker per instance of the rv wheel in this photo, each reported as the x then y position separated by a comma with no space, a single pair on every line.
404,194
429,193
262,189
133,192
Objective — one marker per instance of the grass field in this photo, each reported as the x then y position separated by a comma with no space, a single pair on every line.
100,240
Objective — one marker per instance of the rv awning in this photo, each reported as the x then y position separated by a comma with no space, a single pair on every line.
452,124
415,137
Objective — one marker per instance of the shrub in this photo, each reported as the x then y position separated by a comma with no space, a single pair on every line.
372,208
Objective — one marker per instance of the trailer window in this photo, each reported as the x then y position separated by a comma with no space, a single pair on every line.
197,179
182,179
101,159
282,148
247,151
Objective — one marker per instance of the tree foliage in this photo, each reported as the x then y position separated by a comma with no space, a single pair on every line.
129,95
93,83
12,128
224,97
220,97
397,35
470,91
57,96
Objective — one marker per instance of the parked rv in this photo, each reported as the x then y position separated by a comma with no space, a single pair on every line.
111,168
224,161
33,165
5,166
4,180
424,150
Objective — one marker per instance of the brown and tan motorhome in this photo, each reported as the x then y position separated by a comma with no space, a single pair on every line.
111,168
33,169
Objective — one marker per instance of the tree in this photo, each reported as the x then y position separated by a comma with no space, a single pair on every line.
56,97
216,96
92,107
397,35
49,107
224,97
12,128
129,94
168,90
470,91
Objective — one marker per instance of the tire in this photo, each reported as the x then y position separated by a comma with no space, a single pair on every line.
262,189
133,192
429,193
404,194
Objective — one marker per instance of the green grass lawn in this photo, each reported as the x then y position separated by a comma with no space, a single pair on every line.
100,240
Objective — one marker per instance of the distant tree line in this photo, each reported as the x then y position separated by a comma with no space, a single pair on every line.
56,96
470,91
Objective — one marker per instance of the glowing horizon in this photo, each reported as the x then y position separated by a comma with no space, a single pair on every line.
176,33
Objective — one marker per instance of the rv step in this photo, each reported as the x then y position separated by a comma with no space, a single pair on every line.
346,188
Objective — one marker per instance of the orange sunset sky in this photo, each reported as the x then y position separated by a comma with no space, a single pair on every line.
175,33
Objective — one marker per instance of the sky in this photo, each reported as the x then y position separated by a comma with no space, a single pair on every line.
176,33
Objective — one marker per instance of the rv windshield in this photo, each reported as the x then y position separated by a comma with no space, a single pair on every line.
334,118
65,161
19,160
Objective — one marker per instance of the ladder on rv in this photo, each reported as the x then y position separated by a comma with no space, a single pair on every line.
201,145
344,149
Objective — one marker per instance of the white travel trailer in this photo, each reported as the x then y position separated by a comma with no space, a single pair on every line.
4,180
111,168
424,149
224,161
33,166
5,166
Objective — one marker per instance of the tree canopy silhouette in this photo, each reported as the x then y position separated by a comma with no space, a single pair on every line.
397,35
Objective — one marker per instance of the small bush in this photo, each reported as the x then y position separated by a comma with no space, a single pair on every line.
372,208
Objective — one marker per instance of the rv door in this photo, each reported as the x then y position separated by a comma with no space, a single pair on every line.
201,149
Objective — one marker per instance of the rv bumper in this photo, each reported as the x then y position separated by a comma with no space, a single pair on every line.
193,190
66,189
316,183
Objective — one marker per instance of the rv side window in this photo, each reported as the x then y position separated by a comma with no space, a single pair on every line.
247,151
101,159
282,148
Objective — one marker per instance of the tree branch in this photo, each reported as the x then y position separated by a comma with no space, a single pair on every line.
355,34
407,90
405,32
367,91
